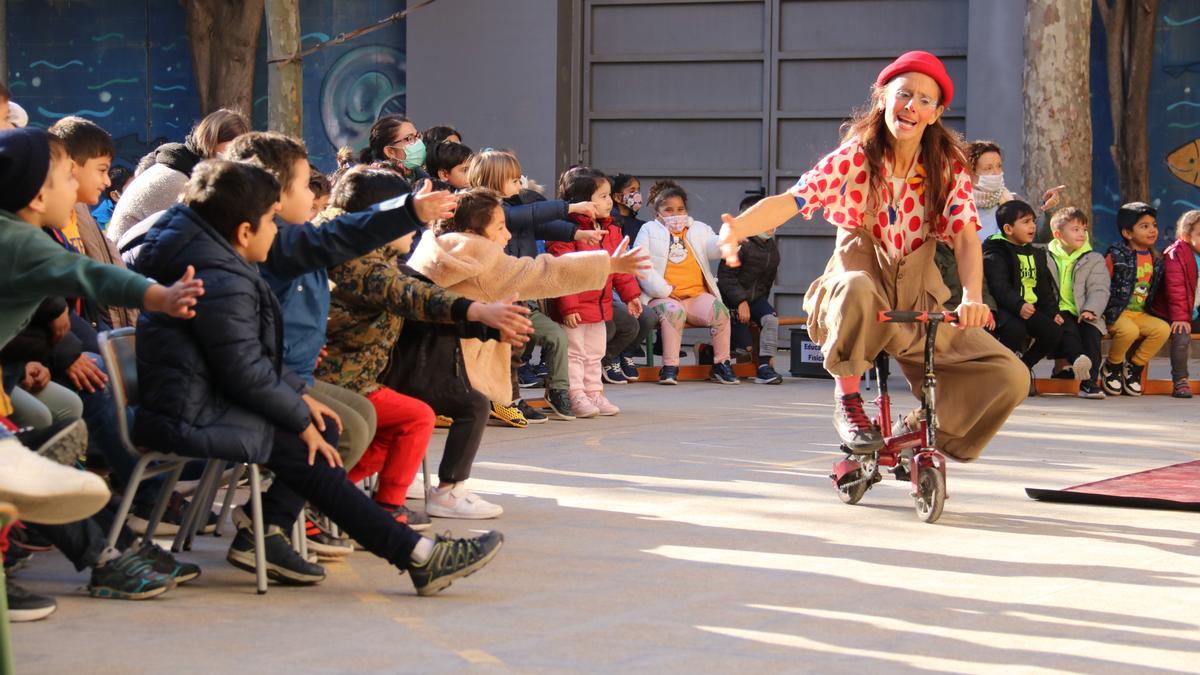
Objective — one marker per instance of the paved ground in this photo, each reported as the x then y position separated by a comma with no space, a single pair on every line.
704,536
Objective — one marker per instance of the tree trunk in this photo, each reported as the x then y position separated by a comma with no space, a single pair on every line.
284,80
1129,26
1058,117
224,38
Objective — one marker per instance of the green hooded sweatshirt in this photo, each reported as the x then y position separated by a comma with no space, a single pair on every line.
1066,273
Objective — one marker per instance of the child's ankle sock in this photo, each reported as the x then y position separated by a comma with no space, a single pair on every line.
422,551
844,386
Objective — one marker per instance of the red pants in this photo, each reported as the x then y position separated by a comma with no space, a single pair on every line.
402,434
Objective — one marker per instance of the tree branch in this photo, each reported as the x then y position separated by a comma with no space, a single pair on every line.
346,37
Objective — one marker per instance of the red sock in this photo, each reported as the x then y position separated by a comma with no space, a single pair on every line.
844,386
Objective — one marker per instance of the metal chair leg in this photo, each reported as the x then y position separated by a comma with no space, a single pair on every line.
204,502
230,493
164,499
260,546
425,475
190,513
135,479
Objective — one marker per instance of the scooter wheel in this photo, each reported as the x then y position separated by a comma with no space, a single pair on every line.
854,493
931,494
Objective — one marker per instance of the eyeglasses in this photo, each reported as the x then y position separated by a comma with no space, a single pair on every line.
904,96
407,140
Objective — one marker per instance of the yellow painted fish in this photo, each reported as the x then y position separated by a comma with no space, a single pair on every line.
1184,162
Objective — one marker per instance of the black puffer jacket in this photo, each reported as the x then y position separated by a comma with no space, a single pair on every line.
530,217
1002,271
214,385
754,278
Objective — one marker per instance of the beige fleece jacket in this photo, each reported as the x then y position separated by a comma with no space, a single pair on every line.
478,268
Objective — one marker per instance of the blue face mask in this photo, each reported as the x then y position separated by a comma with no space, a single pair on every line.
414,155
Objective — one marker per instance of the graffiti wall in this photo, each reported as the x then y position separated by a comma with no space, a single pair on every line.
126,64
1174,122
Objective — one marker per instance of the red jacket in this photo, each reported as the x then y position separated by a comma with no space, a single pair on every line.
593,306
1176,298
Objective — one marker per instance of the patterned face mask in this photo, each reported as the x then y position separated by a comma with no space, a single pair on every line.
676,224
633,201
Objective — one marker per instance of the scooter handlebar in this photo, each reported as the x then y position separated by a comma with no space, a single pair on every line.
908,316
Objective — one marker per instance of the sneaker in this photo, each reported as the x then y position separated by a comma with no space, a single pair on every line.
442,422
858,435
139,518
1064,374
605,406
629,369
1133,380
417,520
611,372
129,577
44,491
459,502
24,606
668,375
532,415
1112,376
560,404
767,375
1089,389
1081,367
165,563
15,558
542,370
582,405
318,532
283,563
527,377
454,559
509,415
1180,389
62,442
722,373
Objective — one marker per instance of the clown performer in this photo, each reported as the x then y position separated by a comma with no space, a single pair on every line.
896,186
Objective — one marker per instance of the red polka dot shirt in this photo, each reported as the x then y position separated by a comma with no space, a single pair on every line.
839,184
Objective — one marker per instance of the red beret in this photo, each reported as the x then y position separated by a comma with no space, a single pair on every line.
919,62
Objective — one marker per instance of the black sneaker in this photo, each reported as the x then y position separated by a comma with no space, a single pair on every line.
15,558
454,559
1089,389
129,577
532,415
1112,376
560,404
722,373
629,369
527,377
767,375
417,520
858,435
1133,380
165,563
668,375
1179,389
25,606
610,372
139,518
283,563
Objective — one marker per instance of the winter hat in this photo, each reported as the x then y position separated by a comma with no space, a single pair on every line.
24,163
1129,214
919,62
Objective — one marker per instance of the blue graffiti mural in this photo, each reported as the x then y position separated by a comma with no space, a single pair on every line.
1174,128
127,65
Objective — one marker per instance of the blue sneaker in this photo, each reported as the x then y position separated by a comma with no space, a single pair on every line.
722,373
767,375
610,372
629,369
527,377
542,370
668,375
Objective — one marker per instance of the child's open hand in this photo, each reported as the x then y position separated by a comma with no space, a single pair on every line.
635,307
590,237
511,320
178,299
1181,327
319,411
316,444
728,241
629,261
572,320
433,206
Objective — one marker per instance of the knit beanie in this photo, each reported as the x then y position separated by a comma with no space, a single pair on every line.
24,163
919,62
1129,214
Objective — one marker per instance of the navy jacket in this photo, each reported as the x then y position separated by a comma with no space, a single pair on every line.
754,278
530,217
296,268
1124,278
214,385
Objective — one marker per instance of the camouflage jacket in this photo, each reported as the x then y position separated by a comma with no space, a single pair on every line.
373,296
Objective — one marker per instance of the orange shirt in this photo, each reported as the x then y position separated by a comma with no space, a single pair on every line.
71,232
683,269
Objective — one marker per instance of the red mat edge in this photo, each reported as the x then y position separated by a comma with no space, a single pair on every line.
1091,498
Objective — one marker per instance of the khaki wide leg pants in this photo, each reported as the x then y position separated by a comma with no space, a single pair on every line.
979,382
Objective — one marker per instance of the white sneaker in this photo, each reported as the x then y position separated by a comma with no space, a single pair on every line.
582,405
1082,367
459,502
44,491
602,404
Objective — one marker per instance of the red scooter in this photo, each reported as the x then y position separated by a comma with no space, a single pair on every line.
912,456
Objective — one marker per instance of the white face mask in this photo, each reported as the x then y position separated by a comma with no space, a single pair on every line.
990,182
676,224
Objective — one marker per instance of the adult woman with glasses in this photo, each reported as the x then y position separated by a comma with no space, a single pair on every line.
396,144
896,186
